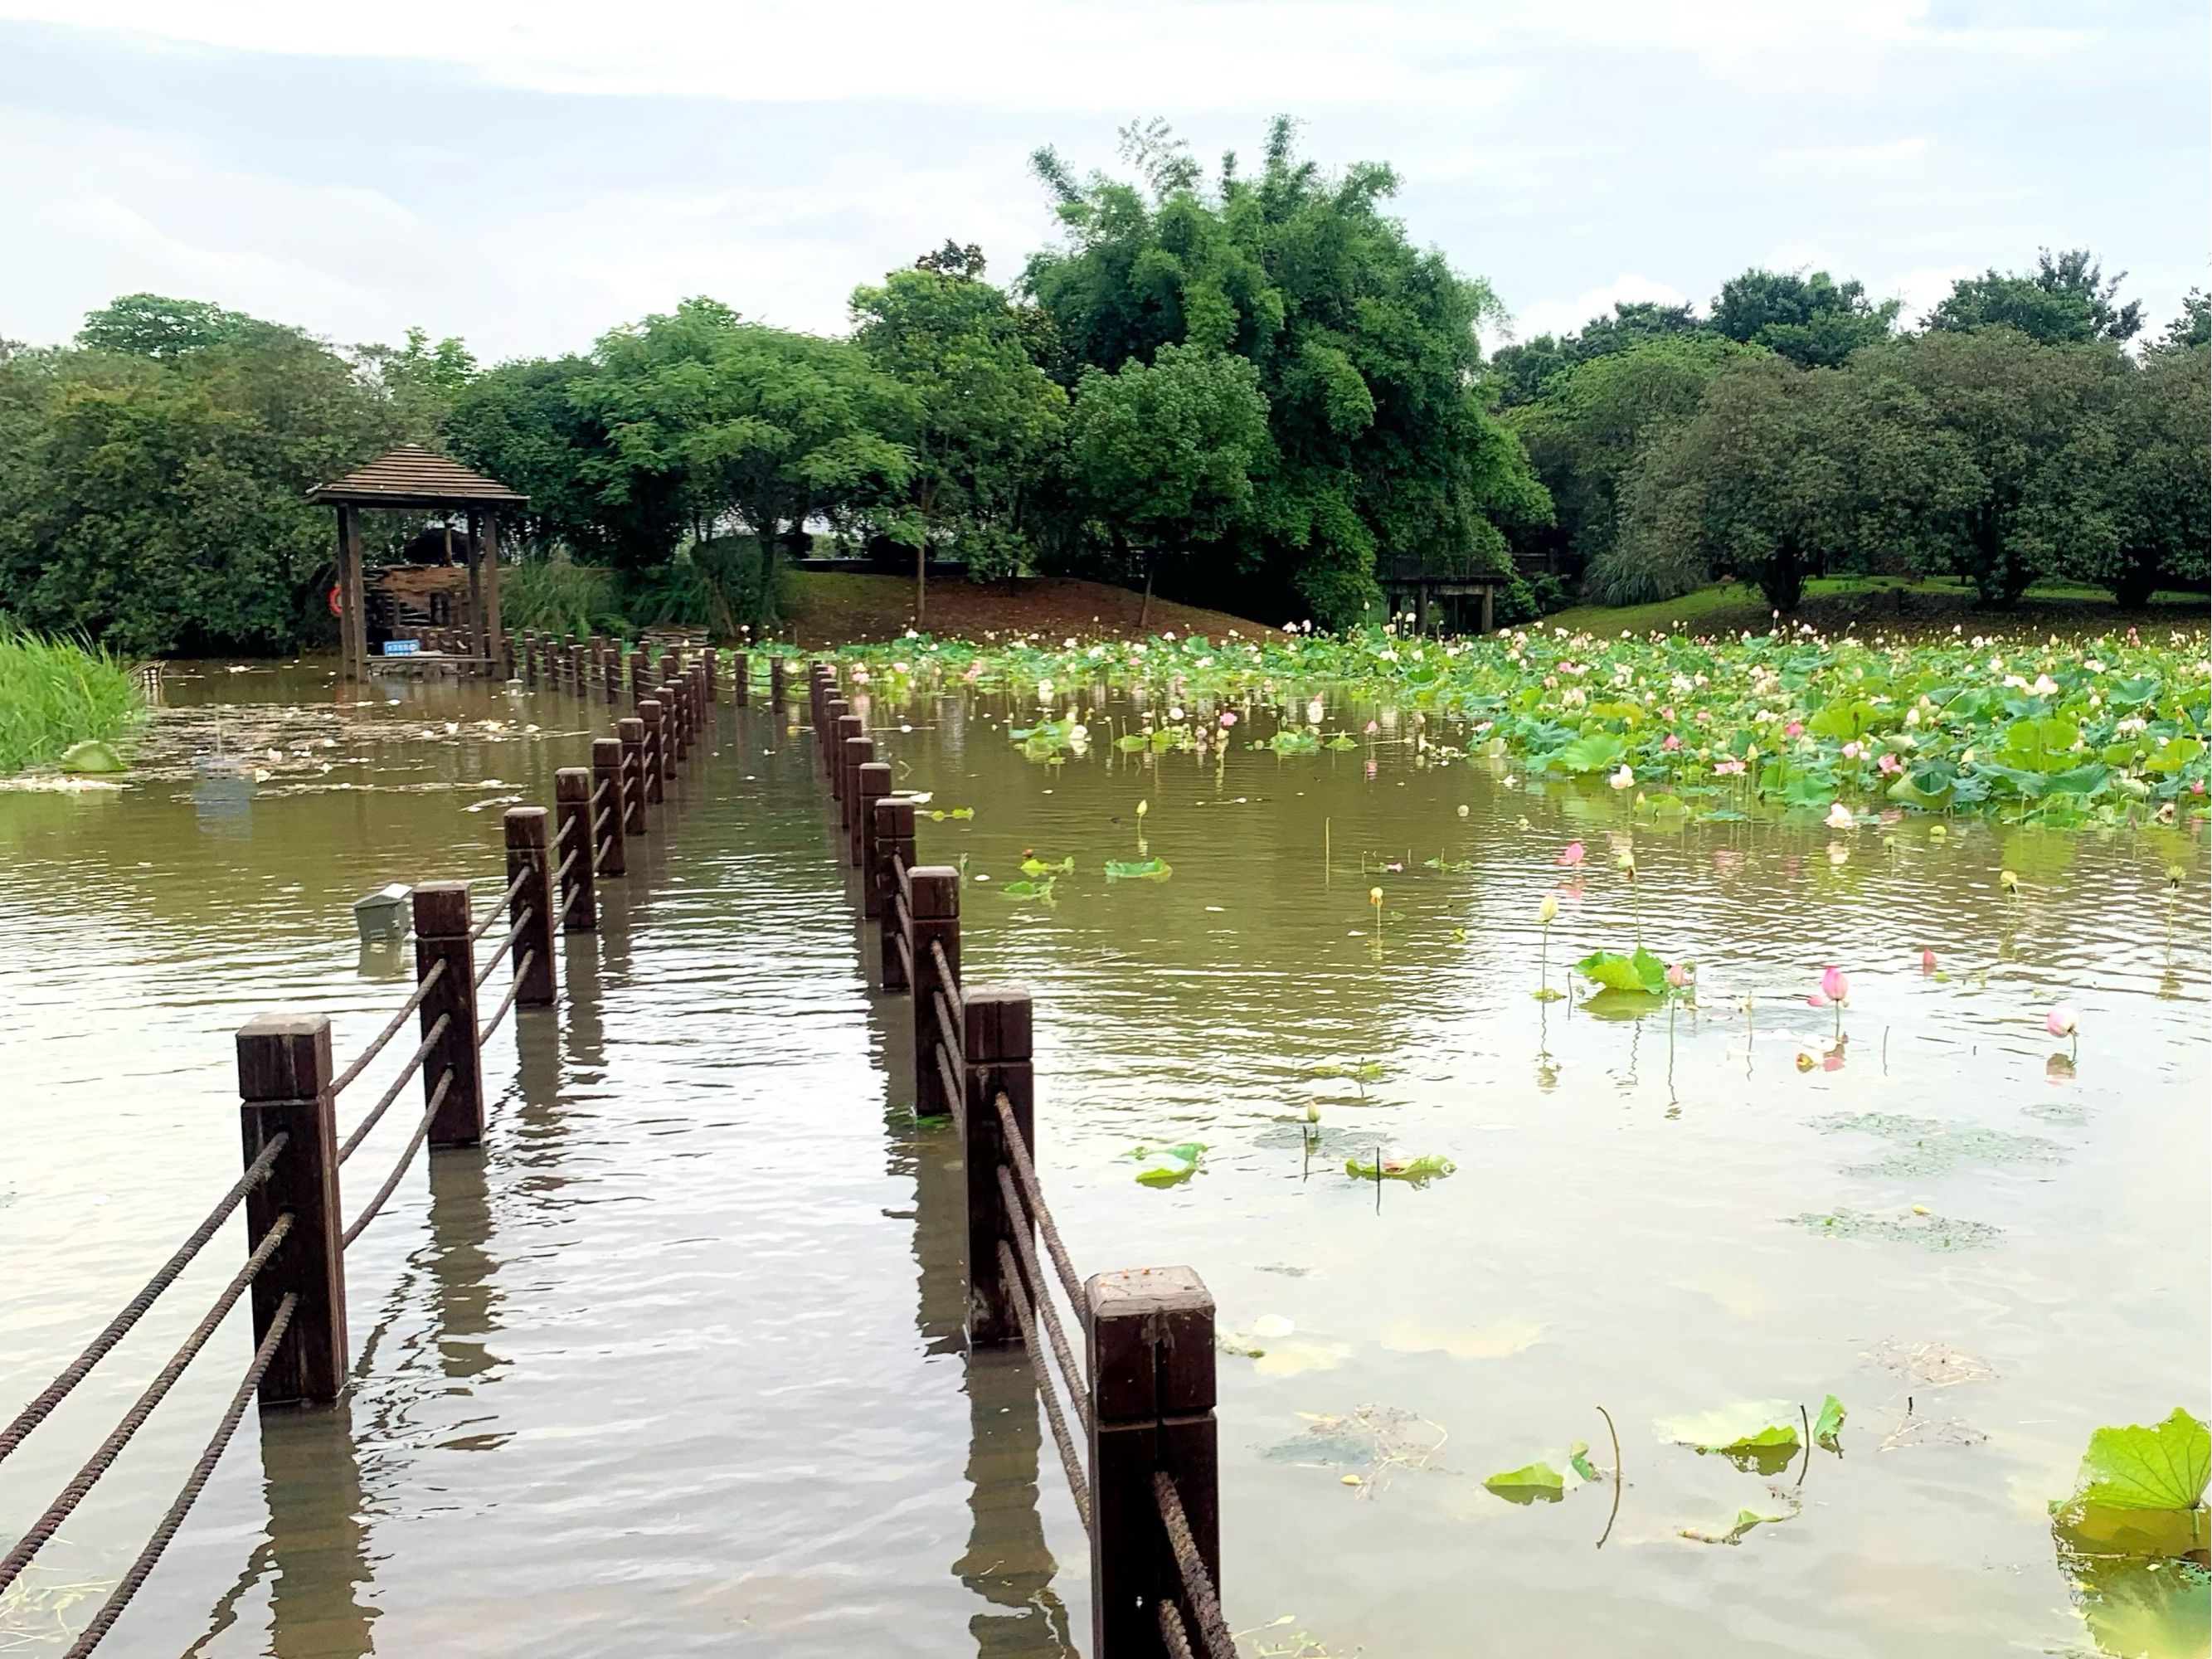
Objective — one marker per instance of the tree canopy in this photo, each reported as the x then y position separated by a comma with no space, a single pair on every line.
2065,300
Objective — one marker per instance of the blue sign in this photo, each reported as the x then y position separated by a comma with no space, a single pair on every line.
401,648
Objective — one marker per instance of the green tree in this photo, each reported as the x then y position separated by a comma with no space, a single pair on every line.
2194,325
1592,420
2013,407
1813,320
979,418
1163,452
156,499
1364,348
715,418
1518,372
2066,301
155,325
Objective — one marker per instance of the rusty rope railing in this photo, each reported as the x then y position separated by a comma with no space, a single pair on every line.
376,1044
1172,1632
503,901
34,1536
174,1518
439,1027
400,1165
504,944
1197,1582
1071,1460
74,1372
513,990
1025,1173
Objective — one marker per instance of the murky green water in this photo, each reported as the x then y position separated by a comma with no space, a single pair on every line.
673,1364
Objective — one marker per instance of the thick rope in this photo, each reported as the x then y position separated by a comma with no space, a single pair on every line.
46,1525
1076,1485
521,879
1045,1311
439,1027
118,1328
1172,1632
562,834
1197,1582
376,1047
398,1168
600,794
948,1028
568,903
1025,1172
945,974
174,1518
504,945
948,1079
513,990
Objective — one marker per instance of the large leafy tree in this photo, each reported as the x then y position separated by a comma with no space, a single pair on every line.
979,418
1364,348
1814,320
1518,372
1163,452
1592,422
718,419
153,488
2066,300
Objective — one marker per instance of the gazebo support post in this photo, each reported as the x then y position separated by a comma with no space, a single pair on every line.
490,555
479,640
353,629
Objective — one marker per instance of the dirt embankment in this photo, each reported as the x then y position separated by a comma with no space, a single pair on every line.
834,608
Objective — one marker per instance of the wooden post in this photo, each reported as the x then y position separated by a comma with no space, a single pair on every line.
837,712
859,751
353,623
702,702
532,907
576,849
487,528
706,667
530,658
631,729
479,635
995,1043
741,678
849,725
513,662
894,842
775,688
934,897
671,731
609,816
611,667
640,676
1151,1342
871,781
441,934
649,758
678,695
284,1088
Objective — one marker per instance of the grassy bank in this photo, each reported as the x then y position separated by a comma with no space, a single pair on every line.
54,693
1884,605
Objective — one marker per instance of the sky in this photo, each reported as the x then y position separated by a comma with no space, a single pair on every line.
528,173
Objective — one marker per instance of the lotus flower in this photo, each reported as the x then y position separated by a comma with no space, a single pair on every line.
1670,741
1547,908
1572,854
1372,728
1927,962
1795,729
1854,750
1888,763
1375,897
2059,1021
1624,777
1313,712
1834,984
2008,880
1228,717
1678,975
1839,818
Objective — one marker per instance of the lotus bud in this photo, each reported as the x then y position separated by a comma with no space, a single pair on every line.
1143,807
1927,962
1572,854
1547,908
1375,897
2059,1021
2009,880
1678,975
1835,985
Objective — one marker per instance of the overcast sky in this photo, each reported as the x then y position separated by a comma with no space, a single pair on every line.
525,173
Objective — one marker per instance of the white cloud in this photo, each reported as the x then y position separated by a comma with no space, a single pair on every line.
1922,290
1562,316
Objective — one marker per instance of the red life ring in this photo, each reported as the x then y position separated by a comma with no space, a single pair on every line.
336,609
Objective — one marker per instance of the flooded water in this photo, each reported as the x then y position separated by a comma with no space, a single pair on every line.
673,1364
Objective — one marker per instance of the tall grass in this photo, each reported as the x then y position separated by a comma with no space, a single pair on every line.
56,692
556,596
724,585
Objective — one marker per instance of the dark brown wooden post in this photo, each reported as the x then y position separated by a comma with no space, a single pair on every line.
441,934
741,678
611,666
511,653
702,702
776,686
577,673
284,1088
649,758
532,907
630,729
995,1041
935,890
706,667
1151,1343
574,848
893,842
610,810
672,739
859,751
869,785
597,663
530,657
640,676
831,736
849,726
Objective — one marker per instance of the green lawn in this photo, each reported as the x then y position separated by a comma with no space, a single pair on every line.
1832,601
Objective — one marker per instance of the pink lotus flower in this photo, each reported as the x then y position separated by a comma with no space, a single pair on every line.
1678,975
1372,728
1927,962
1834,986
1727,768
1670,741
2059,1021
1795,729
1887,764
1228,717
1853,751
1816,1001
1572,854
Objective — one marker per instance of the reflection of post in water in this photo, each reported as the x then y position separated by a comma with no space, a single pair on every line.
459,1264
317,1543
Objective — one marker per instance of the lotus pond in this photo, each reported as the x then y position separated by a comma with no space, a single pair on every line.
1674,1218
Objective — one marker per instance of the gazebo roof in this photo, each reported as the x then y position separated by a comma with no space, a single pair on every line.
411,476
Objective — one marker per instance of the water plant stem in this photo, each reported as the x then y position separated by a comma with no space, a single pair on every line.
1614,1513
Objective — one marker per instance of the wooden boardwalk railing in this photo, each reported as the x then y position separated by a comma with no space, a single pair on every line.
1145,1480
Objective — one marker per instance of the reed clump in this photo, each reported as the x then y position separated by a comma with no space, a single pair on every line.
55,693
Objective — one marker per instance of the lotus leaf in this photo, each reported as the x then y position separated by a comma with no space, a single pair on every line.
1167,1166
1539,1482
91,756
1638,971
1150,869
1745,1521
2040,744
2173,754
1418,1171
1340,741
1759,1434
1829,1425
2163,1466
1598,751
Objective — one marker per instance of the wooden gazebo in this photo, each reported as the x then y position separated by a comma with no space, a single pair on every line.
412,477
